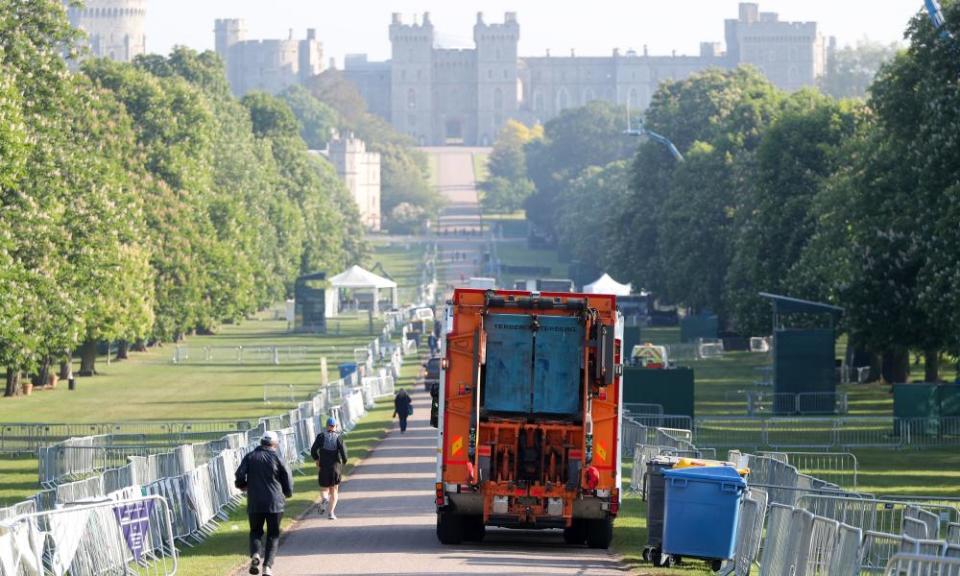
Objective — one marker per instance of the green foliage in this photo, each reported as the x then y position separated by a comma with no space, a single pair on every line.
799,154
507,187
317,120
586,225
143,202
592,135
680,216
403,168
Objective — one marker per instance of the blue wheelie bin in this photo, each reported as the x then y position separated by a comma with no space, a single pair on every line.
347,368
701,513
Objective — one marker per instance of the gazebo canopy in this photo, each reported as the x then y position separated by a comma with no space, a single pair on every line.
607,285
357,277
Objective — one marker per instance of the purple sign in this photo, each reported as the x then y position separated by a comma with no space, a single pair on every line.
134,520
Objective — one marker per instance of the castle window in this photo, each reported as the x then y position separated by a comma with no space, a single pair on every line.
633,99
498,99
537,102
588,95
411,99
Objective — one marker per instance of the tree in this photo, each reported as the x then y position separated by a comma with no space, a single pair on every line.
851,69
301,177
677,224
586,227
507,187
317,120
592,135
403,169
798,154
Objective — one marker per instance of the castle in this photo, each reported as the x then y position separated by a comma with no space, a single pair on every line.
266,65
442,96
115,28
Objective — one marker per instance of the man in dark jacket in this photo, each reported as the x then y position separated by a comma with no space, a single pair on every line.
266,480
401,408
330,454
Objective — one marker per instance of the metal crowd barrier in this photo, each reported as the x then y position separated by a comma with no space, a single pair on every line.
840,468
131,536
915,565
753,511
762,402
837,434
880,515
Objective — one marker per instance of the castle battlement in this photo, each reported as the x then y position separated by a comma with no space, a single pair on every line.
116,29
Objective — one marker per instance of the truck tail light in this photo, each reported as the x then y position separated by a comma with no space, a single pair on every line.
615,501
440,495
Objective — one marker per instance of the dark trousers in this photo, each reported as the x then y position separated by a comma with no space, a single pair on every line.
403,422
256,535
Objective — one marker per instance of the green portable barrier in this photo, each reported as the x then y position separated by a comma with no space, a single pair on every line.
694,327
672,389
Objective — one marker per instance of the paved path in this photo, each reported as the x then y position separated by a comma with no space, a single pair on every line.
387,518
387,524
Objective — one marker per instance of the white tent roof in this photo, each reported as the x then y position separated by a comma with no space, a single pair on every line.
357,277
607,285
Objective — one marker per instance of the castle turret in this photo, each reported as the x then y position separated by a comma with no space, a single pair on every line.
115,28
497,74
411,77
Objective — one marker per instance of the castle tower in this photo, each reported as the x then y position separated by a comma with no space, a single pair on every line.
228,33
411,77
115,28
497,75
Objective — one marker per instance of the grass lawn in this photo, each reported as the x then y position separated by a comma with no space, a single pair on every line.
149,386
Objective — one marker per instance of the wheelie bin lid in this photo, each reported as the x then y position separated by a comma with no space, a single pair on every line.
725,474
702,463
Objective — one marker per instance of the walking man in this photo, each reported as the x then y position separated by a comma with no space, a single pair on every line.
266,480
330,454
402,407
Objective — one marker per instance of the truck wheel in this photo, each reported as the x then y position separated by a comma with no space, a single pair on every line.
576,533
449,528
473,528
600,533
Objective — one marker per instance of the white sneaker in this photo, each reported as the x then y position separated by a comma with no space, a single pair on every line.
267,571
332,516
323,506
255,565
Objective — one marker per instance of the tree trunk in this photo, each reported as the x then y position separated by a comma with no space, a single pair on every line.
140,346
931,366
13,383
896,366
88,358
43,374
858,357
123,348
65,368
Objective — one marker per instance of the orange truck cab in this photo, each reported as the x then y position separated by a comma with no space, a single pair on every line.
529,415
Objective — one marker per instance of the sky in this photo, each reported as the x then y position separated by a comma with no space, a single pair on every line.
594,27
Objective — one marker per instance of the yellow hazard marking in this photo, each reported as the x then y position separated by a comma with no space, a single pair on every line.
456,446
601,452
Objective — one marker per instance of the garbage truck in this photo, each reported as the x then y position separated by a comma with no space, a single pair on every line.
528,408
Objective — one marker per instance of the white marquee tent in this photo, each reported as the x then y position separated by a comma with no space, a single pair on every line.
607,285
356,278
